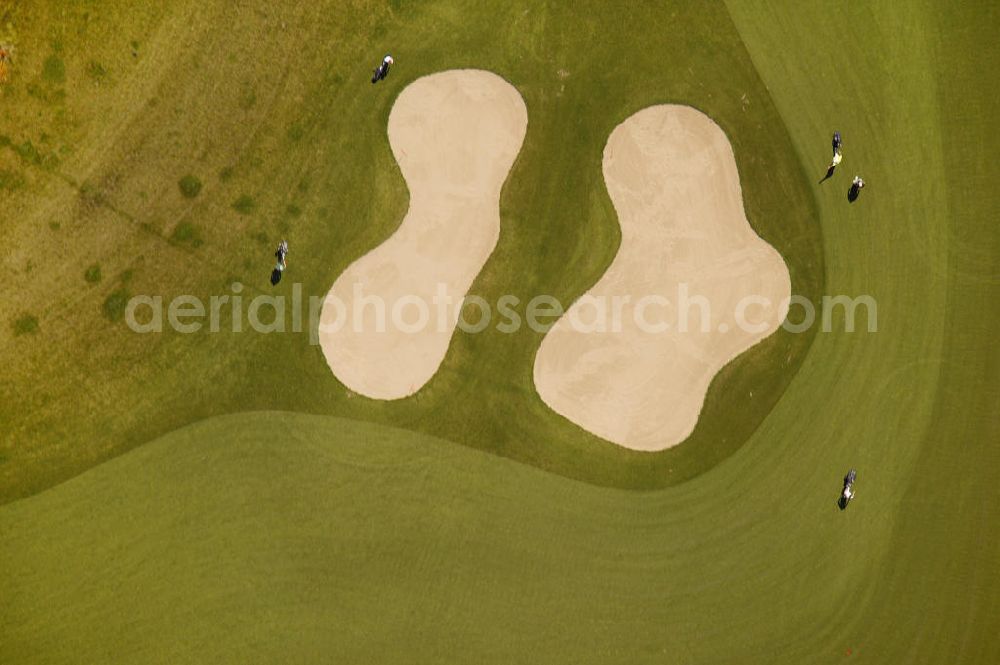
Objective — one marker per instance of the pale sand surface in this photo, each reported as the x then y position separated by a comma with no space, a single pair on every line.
671,174
455,135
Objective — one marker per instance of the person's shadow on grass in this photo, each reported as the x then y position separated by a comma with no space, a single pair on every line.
852,193
829,174
275,277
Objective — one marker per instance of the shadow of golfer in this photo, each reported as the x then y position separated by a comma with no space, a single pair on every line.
852,193
275,277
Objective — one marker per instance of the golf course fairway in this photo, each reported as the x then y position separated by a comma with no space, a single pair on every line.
217,495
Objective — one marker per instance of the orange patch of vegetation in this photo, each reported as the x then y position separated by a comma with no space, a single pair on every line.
4,66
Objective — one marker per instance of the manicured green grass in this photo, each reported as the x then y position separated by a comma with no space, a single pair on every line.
282,537
274,537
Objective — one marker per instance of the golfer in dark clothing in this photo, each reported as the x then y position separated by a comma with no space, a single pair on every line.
382,70
281,265
856,185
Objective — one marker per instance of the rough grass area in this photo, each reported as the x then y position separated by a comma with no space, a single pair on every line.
54,70
93,274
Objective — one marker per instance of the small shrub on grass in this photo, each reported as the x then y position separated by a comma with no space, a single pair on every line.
90,194
36,91
244,205
25,324
190,186
183,232
96,71
248,99
114,305
54,70
28,152
93,274
88,188
10,180
187,233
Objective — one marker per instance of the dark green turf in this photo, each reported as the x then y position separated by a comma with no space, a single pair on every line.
274,537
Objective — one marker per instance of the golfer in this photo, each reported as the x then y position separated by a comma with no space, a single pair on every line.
382,70
279,268
280,254
837,157
856,185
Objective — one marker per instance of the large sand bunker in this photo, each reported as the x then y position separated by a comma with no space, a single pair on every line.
455,136
672,177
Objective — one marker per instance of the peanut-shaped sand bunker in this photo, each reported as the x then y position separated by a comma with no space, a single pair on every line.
455,136
691,287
